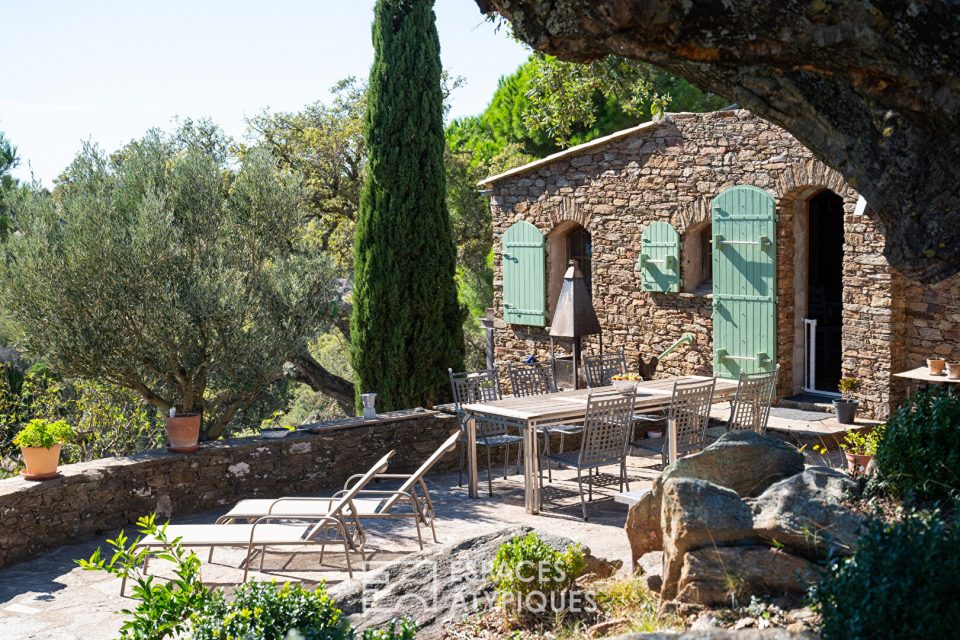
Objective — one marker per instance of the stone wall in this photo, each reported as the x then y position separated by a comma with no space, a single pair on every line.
92,498
671,171
934,321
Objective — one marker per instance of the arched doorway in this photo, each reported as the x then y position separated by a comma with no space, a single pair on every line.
823,318
568,241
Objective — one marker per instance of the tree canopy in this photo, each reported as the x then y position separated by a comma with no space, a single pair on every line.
171,268
870,87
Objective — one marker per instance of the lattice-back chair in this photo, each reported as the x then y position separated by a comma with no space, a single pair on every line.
751,406
531,379
689,415
536,379
482,386
598,370
607,422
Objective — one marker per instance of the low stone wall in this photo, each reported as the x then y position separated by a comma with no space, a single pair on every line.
92,498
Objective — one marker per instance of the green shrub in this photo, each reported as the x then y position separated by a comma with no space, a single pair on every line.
264,611
183,607
526,565
902,582
919,455
44,433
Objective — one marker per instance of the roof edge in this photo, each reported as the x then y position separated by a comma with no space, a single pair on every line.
575,150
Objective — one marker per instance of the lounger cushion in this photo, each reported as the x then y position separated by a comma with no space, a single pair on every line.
247,509
222,535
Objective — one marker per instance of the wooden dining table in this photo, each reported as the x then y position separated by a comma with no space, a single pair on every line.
530,414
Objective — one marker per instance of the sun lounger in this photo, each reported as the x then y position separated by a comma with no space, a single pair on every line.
371,503
339,523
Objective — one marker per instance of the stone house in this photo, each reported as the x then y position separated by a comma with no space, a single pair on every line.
724,226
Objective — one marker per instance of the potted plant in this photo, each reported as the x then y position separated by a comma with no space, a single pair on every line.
846,406
859,447
183,431
953,369
40,442
935,365
625,381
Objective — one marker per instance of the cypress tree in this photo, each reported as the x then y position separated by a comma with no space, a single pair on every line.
406,325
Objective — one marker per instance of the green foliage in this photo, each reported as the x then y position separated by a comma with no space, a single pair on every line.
919,455
204,283
25,397
863,442
164,607
184,607
526,564
902,582
44,434
8,184
261,610
848,387
324,144
406,324
110,421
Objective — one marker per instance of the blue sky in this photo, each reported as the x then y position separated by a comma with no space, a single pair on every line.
109,70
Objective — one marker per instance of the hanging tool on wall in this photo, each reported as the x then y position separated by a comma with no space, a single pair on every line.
648,369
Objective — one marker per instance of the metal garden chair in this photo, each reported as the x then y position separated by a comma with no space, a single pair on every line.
608,420
599,371
536,379
482,386
688,415
751,405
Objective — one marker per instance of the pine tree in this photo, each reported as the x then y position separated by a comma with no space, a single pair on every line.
406,325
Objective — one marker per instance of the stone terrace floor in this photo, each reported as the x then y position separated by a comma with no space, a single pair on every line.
51,598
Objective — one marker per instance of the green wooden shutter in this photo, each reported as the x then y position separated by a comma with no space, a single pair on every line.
744,282
659,261
524,275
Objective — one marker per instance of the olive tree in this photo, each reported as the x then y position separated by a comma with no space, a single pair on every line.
171,268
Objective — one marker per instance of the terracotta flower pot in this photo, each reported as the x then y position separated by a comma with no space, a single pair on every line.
936,365
857,464
953,370
40,461
183,431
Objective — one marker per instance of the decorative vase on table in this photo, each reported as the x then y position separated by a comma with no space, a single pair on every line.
183,431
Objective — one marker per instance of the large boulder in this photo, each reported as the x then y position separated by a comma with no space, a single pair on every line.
731,575
806,514
434,587
743,461
643,525
697,514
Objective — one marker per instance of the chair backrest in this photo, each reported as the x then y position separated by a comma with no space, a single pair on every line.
474,386
606,425
336,509
531,379
410,483
599,370
689,414
751,406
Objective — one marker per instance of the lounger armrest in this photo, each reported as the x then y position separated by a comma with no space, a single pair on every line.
393,476
302,499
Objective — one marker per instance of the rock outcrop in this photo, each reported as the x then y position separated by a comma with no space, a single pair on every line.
743,461
437,586
727,535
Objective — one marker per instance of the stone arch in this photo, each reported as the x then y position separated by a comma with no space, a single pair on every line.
809,173
569,211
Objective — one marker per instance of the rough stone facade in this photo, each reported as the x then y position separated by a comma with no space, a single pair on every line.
95,497
671,171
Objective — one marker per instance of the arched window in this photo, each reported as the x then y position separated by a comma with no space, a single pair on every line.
698,259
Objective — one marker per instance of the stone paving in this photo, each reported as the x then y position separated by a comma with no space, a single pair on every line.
51,598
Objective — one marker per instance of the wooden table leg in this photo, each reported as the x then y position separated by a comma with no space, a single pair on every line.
531,468
472,457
